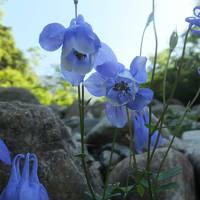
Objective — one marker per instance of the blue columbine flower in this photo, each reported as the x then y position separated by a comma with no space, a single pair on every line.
194,22
26,185
141,131
121,87
81,48
4,153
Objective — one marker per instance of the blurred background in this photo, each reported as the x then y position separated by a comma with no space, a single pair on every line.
23,64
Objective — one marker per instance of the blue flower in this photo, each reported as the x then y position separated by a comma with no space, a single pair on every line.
194,22
121,87
25,185
141,131
4,153
81,48
198,70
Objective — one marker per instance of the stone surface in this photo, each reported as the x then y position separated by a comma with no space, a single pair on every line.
17,94
192,149
32,128
185,181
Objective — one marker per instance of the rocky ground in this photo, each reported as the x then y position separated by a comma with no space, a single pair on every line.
53,134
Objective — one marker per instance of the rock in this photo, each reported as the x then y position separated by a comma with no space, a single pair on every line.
185,181
119,153
192,148
103,133
17,94
33,128
97,109
105,157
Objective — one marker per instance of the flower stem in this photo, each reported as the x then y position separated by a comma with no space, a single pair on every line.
131,140
177,130
142,40
165,77
109,166
161,120
82,131
156,43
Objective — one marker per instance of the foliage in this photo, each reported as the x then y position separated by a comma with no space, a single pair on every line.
10,55
15,71
189,80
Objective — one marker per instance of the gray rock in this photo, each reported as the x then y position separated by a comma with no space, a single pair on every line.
191,140
185,181
103,133
17,94
105,158
32,128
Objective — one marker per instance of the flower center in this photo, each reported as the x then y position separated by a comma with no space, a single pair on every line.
121,86
79,55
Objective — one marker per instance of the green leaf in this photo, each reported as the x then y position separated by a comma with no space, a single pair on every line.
80,155
168,186
144,182
173,40
170,173
140,190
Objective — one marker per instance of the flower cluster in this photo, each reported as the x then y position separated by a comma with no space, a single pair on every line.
194,22
82,50
26,185
141,131
4,153
121,87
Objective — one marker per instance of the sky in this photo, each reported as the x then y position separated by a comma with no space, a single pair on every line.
118,23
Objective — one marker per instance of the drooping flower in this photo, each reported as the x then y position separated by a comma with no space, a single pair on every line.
121,87
81,48
198,70
4,153
26,185
141,131
194,22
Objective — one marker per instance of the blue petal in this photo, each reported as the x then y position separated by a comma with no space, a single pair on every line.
138,69
140,132
51,37
193,21
198,70
4,153
142,99
116,114
96,85
86,41
34,176
105,54
68,42
72,77
110,69
154,138
80,66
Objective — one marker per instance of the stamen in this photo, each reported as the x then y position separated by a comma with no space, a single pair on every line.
121,86
79,55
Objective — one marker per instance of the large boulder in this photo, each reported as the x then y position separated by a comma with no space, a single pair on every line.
185,181
191,140
33,128
17,94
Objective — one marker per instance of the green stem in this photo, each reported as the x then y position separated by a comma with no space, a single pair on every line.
141,44
109,166
148,164
131,140
165,77
156,43
177,130
82,131
161,120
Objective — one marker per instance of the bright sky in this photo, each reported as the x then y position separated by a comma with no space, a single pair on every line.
119,23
